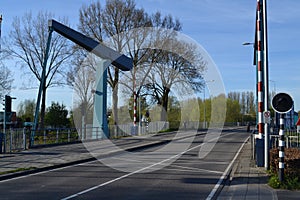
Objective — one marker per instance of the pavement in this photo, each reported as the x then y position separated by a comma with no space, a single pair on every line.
246,181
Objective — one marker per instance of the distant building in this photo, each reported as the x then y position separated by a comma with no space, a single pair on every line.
290,119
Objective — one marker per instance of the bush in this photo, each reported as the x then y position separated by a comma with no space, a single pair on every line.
291,169
274,182
291,161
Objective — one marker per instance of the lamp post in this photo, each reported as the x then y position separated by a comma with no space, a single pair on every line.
205,83
266,82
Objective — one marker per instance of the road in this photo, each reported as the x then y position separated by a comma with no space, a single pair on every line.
181,175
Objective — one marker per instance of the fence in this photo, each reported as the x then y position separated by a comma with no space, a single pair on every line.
123,130
13,140
19,139
292,139
55,136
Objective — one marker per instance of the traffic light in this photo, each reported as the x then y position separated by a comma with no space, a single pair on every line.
7,103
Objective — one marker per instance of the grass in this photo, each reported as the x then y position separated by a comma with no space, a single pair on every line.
17,170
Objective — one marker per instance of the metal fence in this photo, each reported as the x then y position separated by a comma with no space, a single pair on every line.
19,139
55,136
292,139
123,130
13,140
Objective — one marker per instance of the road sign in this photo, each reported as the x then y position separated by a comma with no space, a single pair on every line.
267,117
282,103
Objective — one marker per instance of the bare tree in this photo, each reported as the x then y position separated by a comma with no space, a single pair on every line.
5,80
82,80
5,75
28,44
184,68
121,21
117,17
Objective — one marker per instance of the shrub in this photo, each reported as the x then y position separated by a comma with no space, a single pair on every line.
291,161
291,169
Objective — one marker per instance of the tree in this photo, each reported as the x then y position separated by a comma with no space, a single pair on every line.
246,103
57,116
5,80
82,79
125,25
28,40
26,110
182,69
233,111
5,75
113,19
116,18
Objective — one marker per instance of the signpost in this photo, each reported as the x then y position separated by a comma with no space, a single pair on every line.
267,117
282,103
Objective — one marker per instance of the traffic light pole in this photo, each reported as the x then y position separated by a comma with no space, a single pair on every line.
4,131
7,109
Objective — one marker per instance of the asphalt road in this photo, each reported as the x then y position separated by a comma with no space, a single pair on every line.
168,175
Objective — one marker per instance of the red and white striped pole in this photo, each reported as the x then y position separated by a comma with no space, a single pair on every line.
134,109
260,93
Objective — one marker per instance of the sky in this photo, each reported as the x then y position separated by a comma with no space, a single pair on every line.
219,26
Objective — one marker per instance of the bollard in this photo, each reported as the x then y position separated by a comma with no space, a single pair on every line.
281,149
1,141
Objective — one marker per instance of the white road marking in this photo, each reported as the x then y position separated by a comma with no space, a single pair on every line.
148,167
193,169
213,192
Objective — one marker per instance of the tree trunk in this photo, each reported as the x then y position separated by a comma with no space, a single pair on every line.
43,107
164,103
115,104
115,99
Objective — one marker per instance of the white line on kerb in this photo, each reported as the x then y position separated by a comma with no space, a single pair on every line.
213,192
150,166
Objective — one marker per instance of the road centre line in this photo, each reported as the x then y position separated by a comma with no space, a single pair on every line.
150,166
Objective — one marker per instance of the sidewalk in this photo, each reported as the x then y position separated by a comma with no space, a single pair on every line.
250,182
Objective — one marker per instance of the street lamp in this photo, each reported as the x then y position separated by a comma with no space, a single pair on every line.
205,83
248,43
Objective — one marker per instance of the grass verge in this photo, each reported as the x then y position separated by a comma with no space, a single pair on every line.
17,170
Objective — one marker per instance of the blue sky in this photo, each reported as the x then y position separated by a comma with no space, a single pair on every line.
220,26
